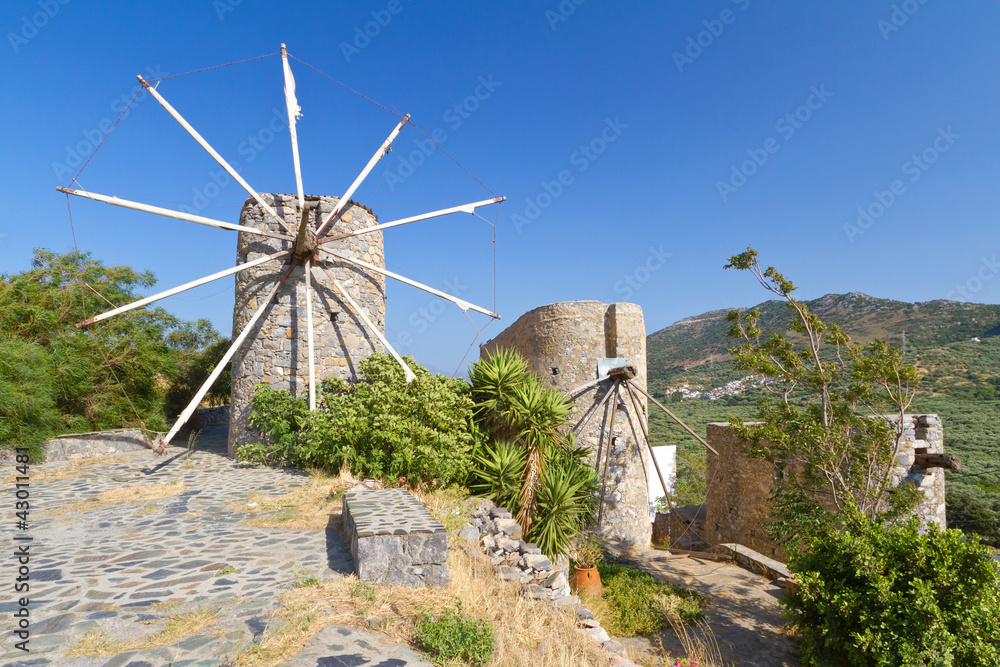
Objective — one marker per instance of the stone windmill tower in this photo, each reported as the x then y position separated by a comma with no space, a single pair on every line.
310,279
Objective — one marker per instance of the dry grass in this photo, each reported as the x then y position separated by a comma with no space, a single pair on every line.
528,633
70,470
127,494
308,506
452,508
179,625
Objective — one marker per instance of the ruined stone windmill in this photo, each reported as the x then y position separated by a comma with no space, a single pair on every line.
295,255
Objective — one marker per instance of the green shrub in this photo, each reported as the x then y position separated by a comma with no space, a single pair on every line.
635,603
454,636
877,594
378,427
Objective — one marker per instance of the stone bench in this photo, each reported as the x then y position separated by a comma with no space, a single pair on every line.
394,540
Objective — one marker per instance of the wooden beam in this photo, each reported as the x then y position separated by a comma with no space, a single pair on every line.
215,155
183,288
193,405
410,375
464,208
461,303
674,417
168,213
383,149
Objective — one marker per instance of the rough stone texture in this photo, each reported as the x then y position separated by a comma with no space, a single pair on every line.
394,540
523,562
563,343
737,497
276,352
88,445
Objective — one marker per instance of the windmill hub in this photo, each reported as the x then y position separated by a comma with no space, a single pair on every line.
307,247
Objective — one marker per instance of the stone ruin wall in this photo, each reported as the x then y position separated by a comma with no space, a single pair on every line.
738,489
563,342
276,352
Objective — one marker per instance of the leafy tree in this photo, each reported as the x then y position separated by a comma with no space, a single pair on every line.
883,594
826,430
61,378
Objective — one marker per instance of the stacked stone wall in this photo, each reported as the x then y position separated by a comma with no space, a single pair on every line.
563,343
276,352
739,487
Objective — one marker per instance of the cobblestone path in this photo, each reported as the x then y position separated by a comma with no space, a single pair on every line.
744,614
122,567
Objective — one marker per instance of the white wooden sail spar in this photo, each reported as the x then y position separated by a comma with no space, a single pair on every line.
379,154
302,246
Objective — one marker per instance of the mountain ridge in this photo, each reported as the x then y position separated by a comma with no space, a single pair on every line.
701,339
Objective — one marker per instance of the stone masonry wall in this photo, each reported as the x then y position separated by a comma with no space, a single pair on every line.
738,487
563,342
276,352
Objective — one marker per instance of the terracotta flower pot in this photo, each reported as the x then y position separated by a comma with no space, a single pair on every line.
586,580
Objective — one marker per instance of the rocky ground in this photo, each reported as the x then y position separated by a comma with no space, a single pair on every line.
126,568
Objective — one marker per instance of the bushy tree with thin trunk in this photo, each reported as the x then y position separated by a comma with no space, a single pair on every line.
832,423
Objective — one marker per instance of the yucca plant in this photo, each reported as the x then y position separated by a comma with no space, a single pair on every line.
567,498
493,381
537,415
497,473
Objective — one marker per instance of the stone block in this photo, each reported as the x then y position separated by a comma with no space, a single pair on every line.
469,534
393,539
510,528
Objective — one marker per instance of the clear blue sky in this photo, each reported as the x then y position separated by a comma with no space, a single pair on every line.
647,111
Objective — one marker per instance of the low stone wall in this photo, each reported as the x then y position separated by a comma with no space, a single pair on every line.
517,560
394,540
88,445
739,487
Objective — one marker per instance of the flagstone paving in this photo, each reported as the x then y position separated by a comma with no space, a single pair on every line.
122,568
744,614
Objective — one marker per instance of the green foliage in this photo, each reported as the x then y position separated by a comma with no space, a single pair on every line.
28,410
880,594
825,432
194,363
378,427
60,378
497,472
454,636
638,604
566,495
511,403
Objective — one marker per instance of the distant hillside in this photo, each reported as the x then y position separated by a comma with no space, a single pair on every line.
702,339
